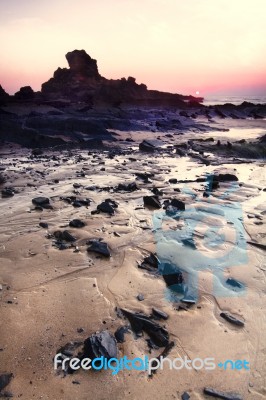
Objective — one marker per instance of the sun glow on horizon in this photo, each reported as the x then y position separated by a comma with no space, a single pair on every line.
168,45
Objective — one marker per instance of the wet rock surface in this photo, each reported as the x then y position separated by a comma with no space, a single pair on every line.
156,252
76,223
222,395
152,201
100,344
140,322
99,247
230,318
5,379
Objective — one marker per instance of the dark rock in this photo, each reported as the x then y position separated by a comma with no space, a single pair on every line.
8,192
152,201
120,334
25,93
43,225
77,185
140,322
84,202
222,395
127,187
178,204
174,206
65,235
107,206
157,191
185,396
82,64
263,139
150,263
149,145
69,349
41,201
101,344
76,223
163,354
172,180
76,204
225,178
140,297
61,245
159,314
99,247
5,380
259,245
234,283
4,96
145,176
171,274
230,318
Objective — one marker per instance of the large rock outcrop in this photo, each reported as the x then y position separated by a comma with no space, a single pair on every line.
81,64
3,95
83,82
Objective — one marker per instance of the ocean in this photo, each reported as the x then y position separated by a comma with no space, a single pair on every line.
215,100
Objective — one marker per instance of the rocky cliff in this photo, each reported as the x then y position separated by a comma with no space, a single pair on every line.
82,82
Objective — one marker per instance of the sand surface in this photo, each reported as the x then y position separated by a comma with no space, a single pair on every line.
48,294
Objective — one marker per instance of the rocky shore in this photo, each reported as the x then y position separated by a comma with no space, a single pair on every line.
132,224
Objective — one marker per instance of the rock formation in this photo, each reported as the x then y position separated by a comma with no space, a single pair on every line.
82,82
3,95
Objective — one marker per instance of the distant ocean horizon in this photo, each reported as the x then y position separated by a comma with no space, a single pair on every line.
222,99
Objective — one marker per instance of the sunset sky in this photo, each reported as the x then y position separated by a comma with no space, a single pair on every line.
182,46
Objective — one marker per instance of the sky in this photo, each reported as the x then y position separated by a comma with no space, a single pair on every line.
181,46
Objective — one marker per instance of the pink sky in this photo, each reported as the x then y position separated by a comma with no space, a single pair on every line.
181,46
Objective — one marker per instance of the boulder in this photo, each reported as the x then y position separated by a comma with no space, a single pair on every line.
99,247
82,64
102,344
152,201
25,93
76,223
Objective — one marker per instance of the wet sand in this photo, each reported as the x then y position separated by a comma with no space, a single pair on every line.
48,294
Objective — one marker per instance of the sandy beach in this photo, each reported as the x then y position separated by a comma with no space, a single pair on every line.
54,293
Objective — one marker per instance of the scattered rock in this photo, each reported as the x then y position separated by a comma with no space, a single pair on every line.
222,395
230,318
65,235
120,334
43,225
8,192
127,187
163,354
150,263
152,201
185,396
173,180
5,380
259,245
76,223
140,297
41,201
149,145
234,283
107,206
100,344
225,178
99,247
140,322
171,274
159,314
